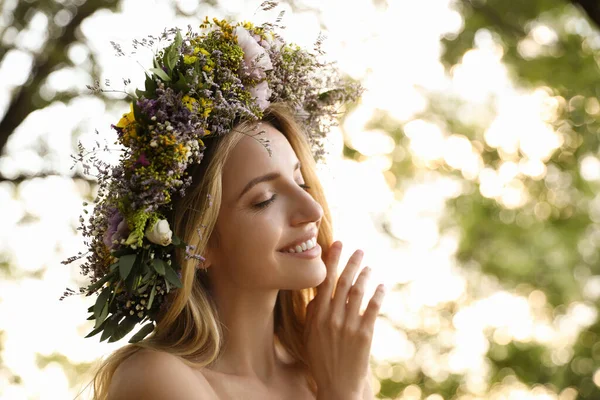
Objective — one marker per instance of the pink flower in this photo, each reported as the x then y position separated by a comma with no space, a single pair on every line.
117,230
143,160
261,93
256,59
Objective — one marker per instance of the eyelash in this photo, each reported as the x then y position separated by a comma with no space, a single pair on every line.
266,203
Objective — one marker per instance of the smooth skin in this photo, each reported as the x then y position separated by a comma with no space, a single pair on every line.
338,342
337,337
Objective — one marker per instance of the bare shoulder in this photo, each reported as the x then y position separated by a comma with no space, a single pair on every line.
157,375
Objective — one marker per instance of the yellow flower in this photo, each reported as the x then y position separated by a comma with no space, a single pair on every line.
189,102
206,68
127,119
127,124
207,112
203,51
187,59
168,140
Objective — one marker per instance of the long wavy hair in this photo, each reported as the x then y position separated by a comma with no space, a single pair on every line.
189,327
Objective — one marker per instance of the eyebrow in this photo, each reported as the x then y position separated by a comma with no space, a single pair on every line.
264,178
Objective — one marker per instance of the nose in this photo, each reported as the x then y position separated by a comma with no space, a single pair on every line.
307,209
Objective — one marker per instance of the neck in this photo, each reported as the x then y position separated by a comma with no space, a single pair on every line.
249,348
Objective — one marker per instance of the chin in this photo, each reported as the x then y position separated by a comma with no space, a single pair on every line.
313,275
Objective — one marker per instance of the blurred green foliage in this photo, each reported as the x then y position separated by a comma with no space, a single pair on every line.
549,244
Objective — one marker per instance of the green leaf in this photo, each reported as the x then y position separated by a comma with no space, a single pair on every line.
119,284
177,242
123,329
109,329
122,252
133,280
100,301
143,288
130,282
142,333
172,277
181,84
151,298
159,266
161,74
96,331
150,85
172,52
114,266
98,283
171,58
149,274
137,113
102,316
178,41
125,265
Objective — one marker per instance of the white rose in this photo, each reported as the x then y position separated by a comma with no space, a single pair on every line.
160,233
261,93
252,50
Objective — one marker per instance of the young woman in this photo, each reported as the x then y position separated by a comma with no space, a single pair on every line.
263,315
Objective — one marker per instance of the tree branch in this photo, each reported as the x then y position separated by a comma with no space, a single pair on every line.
23,178
27,98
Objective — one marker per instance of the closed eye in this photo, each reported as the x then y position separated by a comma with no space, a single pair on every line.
266,203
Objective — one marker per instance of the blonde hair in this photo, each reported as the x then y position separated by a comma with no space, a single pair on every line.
189,327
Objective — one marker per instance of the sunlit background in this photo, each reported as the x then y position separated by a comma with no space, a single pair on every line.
468,173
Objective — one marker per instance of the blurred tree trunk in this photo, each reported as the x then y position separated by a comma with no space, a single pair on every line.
52,56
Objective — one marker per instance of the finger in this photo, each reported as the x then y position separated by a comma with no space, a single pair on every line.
332,259
355,297
372,310
344,282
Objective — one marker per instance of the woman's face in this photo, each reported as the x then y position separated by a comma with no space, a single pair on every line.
264,212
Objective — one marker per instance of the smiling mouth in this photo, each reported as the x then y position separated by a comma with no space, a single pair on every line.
301,247
306,254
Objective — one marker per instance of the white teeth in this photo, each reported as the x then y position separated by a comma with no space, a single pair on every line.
309,244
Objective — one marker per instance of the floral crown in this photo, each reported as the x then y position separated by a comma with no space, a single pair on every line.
200,86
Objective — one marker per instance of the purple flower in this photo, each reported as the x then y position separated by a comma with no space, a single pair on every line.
117,229
143,160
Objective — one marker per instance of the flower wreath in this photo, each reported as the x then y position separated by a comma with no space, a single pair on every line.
200,85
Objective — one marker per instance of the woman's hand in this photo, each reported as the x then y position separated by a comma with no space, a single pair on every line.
337,338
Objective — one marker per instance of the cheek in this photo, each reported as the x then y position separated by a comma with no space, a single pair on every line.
253,239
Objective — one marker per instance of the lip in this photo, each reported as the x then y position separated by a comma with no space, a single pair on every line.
300,240
308,254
